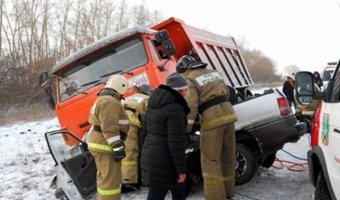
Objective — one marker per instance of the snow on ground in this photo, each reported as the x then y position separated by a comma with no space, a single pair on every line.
27,169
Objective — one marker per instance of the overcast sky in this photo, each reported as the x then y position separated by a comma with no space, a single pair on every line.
305,33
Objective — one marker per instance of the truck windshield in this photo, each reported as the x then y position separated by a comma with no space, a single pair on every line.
120,59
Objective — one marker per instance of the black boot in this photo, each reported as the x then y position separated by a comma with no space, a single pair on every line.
129,187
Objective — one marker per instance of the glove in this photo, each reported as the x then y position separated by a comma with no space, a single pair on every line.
118,151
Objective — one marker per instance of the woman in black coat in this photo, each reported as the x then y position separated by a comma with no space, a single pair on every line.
317,79
163,153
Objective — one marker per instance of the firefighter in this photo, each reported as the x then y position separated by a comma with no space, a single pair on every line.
135,106
109,123
208,96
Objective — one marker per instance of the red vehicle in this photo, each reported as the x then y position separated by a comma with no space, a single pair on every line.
144,56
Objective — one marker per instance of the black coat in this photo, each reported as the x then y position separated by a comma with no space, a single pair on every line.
163,151
288,90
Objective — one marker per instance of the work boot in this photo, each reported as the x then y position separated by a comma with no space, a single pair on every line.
129,187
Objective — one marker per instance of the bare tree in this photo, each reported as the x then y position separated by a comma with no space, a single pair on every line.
34,34
143,16
122,17
65,11
261,67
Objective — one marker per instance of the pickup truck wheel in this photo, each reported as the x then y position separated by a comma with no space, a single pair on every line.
321,190
246,165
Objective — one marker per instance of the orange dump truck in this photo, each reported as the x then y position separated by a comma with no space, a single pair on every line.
143,56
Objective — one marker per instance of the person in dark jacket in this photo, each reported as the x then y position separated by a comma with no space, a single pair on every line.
163,153
288,90
317,79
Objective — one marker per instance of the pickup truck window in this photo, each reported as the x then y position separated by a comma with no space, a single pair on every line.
122,58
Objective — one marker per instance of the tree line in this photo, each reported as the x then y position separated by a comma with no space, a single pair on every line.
35,34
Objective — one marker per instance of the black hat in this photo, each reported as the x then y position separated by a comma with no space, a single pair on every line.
176,81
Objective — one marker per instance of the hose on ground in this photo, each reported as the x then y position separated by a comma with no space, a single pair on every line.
292,166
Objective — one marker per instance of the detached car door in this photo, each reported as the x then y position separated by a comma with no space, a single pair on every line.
75,166
330,131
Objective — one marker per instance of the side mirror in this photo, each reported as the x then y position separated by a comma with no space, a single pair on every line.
44,82
169,47
43,79
304,87
163,38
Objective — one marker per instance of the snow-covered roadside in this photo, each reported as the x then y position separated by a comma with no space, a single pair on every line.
26,165
26,169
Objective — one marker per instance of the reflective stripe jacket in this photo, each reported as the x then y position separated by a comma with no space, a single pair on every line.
204,85
135,106
108,113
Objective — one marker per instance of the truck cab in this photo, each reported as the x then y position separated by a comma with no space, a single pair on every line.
135,53
324,156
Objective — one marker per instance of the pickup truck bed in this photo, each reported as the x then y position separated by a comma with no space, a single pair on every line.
261,117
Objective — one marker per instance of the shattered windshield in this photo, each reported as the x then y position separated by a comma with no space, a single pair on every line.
119,59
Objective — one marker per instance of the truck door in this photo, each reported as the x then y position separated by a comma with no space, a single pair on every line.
75,166
330,130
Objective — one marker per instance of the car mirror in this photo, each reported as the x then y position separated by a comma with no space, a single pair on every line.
43,79
161,36
168,47
304,87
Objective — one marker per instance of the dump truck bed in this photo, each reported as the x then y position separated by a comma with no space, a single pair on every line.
221,53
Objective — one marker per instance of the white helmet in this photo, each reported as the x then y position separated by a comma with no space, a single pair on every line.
118,83
290,71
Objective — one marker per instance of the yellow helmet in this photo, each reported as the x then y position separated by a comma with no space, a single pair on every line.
118,83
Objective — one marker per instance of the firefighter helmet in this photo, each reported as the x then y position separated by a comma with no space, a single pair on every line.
289,72
119,83
188,62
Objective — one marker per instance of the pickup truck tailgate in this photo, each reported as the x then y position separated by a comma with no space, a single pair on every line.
257,110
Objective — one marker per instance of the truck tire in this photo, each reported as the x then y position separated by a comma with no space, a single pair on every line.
321,190
246,165
247,94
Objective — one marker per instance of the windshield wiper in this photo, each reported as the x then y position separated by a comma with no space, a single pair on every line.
108,74
89,83
83,85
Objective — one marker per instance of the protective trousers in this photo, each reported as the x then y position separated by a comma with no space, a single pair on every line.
218,159
108,176
129,163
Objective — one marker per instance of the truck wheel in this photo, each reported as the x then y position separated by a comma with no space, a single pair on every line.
246,93
321,190
60,194
246,165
